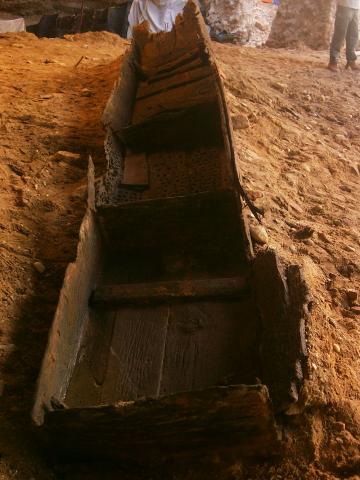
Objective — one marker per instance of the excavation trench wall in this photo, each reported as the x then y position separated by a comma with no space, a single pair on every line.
292,23
36,7
303,23
243,21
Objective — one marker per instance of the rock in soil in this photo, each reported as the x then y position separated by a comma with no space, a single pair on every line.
259,234
40,267
304,233
240,121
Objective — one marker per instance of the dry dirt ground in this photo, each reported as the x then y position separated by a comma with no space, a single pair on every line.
297,136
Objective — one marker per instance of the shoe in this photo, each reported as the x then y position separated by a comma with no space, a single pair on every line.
352,65
333,67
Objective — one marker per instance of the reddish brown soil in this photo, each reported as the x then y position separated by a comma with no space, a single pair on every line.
300,160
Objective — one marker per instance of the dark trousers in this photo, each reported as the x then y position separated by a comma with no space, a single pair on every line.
346,27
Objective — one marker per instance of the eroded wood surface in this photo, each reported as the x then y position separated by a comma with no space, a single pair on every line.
239,418
282,299
151,351
156,292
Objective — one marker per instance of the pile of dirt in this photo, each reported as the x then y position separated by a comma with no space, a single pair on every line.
297,138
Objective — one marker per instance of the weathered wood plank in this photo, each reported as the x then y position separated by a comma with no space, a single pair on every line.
237,417
101,337
190,61
176,64
187,35
83,390
213,343
119,108
147,89
283,312
72,311
194,127
136,354
136,170
185,96
179,221
171,290
86,381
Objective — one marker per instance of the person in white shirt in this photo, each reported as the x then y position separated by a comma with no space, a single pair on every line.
160,14
346,28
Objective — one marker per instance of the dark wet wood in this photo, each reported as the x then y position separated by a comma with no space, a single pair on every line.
171,290
188,128
190,61
150,351
72,312
210,343
176,80
100,335
88,376
184,96
178,64
235,417
283,307
299,312
182,222
136,354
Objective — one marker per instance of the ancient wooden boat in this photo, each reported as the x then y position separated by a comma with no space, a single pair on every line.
170,335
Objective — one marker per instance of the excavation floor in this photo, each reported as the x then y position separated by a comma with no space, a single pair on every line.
299,154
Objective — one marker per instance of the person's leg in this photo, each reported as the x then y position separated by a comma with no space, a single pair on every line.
352,38
341,26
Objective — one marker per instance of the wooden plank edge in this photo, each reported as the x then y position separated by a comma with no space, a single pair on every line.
234,417
144,293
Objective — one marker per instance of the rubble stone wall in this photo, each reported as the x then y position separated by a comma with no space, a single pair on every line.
303,22
243,21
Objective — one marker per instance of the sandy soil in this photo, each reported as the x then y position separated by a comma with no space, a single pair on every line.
300,161
297,135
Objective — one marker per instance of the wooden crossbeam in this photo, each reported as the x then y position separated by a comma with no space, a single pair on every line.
144,293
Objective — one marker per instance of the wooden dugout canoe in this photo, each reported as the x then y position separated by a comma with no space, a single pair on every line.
169,334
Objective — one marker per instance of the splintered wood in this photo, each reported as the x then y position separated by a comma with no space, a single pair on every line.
177,75
238,416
